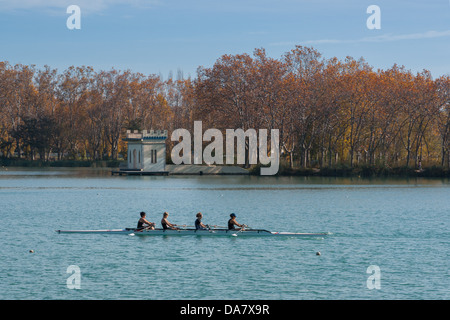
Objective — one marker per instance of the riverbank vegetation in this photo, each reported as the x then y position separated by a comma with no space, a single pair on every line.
332,114
364,171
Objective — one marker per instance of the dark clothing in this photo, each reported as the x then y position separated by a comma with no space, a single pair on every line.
198,226
142,224
231,225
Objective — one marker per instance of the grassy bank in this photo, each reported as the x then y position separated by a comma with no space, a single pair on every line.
361,171
59,163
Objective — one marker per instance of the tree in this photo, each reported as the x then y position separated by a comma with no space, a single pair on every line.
72,91
443,117
37,134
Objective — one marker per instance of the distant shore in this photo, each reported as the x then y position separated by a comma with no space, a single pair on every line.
6,162
365,172
335,171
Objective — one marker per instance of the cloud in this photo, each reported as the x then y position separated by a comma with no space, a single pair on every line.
382,38
87,6
411,36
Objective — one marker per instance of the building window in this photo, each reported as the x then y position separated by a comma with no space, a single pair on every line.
153,156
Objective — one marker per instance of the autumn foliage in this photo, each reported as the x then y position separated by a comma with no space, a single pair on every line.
329,112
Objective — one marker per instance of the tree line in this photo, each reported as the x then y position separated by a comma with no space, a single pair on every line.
328,111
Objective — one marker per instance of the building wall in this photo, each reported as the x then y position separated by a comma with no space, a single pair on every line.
154,157
147,156
135,160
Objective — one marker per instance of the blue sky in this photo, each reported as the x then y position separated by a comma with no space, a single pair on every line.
160,36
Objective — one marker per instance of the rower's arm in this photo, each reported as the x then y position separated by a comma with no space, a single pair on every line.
237,224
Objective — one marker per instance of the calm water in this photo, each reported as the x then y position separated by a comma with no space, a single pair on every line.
401,226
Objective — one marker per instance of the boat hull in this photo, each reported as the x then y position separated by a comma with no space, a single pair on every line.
181,232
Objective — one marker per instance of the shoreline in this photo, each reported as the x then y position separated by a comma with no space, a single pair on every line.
368,172
335,171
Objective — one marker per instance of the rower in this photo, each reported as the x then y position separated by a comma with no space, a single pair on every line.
144,224
198,222
232,223
166,224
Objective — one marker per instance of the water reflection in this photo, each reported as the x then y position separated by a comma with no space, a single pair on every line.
181,182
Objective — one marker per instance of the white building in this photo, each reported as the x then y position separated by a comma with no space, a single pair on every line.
146,150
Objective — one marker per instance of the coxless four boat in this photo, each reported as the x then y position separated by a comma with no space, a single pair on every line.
209,232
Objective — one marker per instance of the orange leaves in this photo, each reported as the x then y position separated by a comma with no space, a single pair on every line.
328,111
321,106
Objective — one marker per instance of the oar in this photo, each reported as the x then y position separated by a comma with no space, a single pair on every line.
216,226
184,226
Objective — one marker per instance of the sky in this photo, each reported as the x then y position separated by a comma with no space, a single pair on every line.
167,36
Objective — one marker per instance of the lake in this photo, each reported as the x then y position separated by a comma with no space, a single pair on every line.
389,238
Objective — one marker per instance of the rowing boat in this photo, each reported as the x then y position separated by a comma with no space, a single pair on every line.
209,232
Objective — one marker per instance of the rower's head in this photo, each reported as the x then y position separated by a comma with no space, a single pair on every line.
232,216
166,214
142,214
199,215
